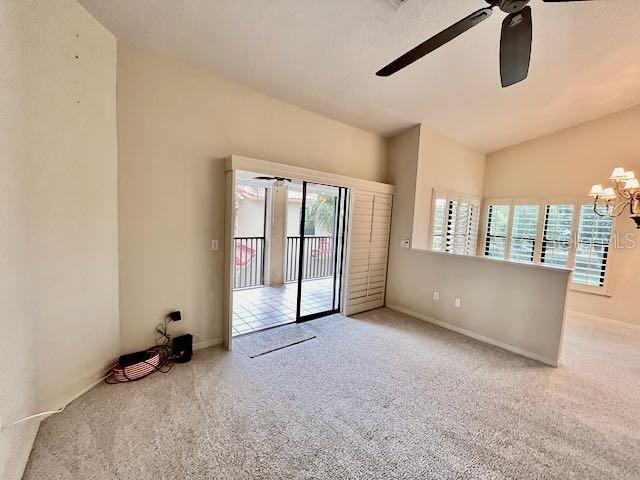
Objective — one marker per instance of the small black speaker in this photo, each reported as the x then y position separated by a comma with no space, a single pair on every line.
183,348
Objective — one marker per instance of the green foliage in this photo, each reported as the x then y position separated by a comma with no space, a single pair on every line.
321,211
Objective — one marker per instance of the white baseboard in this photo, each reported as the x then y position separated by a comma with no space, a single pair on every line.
89,382
588,316
477,336
207,343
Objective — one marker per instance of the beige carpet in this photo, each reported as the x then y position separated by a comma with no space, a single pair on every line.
380,396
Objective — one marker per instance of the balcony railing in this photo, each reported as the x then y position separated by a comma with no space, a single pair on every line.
248,261
250,254
318,258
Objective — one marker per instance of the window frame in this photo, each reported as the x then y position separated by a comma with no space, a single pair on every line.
542,203
450,196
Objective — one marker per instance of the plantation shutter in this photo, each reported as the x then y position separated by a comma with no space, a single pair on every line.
497,226
471,240
371,221
592,248
454,223
439,222
523,233
462,224
556,235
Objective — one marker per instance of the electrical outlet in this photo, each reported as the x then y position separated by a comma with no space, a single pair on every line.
436,296
457,302
214,245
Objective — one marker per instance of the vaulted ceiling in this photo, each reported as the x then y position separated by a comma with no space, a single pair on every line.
322,55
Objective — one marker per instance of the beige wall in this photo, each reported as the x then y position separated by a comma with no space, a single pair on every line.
500,300
293,218
17,380
175,126
250,217
58,207
446,164
567,163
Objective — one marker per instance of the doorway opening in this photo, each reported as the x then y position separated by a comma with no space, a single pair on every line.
288,251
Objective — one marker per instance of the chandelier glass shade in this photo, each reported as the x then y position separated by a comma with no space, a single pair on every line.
612,201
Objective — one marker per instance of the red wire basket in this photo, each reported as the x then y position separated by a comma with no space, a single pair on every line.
137,370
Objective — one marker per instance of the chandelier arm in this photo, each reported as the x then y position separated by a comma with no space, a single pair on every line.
595,208
621,204
621,192
610,210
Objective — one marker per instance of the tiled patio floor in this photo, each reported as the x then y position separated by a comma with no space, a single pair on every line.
263,307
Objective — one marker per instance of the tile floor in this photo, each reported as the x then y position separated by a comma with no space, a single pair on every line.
264,307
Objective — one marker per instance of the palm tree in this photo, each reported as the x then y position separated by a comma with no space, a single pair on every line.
321,211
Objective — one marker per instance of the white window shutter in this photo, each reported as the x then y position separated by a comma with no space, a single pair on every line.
452,225
371,221
454,222
556,234
497,227
592,248
439,222
524,231
471,240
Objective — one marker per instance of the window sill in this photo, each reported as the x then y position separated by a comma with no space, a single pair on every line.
601,291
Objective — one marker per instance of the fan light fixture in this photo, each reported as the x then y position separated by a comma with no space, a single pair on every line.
613,200
277,181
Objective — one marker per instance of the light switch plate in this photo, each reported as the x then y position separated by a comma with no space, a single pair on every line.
214,245
436,296
457,302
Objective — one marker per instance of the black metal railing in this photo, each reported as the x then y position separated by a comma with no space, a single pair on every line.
248,262
318,261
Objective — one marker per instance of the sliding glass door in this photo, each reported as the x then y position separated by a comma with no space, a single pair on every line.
321,257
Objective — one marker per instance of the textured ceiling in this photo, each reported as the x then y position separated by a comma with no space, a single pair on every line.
322,55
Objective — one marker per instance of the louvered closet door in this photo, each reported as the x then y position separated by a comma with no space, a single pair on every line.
371,220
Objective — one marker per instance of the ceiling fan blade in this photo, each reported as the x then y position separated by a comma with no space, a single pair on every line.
436,41
264,178
515,47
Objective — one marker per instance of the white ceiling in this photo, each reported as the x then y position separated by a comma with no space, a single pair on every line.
322,56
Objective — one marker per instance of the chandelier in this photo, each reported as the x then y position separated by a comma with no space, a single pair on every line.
611,201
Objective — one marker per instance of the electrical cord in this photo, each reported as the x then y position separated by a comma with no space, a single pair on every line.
51,412
161,329
165,365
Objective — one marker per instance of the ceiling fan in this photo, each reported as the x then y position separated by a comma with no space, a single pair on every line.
279,181
515,41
